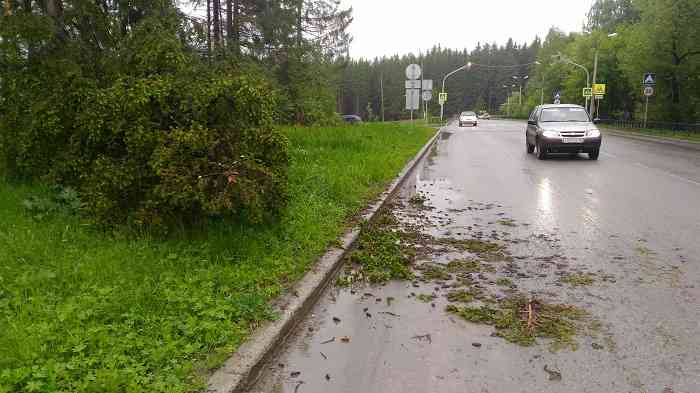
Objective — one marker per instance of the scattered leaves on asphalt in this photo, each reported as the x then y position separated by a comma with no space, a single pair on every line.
554,375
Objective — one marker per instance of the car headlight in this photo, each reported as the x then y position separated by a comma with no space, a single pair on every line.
551,134
593,132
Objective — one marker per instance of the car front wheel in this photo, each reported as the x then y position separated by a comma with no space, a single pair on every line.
594,154
541,152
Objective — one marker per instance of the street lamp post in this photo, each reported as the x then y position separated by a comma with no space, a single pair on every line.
595,72
561,57
520,84
442,105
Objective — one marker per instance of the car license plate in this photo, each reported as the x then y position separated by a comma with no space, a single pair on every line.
572,140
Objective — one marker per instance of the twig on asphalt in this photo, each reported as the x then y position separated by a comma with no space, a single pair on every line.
425,337
296,388
390,313
324,355
329,341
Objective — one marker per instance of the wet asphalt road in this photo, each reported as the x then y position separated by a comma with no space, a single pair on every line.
632,219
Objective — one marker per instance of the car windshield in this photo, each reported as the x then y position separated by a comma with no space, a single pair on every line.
564,114
468,114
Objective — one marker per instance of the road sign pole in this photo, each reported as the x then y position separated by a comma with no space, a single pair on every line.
442,103
646,111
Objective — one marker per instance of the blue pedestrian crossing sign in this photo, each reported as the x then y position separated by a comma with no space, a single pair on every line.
649,79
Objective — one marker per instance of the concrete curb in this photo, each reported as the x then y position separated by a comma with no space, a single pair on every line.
243,368
655,139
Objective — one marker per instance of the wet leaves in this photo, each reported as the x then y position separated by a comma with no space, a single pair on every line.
424,337
521,321
425,298
380,252
463,296
509,222
554,375
578,279
433,272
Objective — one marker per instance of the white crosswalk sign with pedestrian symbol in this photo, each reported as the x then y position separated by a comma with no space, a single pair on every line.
649,79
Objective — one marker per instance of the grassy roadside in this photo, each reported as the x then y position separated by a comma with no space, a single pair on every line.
678,135
81,311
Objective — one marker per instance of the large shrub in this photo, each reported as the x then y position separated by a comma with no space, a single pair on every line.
162,138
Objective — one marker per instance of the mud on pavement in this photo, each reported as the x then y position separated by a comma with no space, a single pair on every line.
442,296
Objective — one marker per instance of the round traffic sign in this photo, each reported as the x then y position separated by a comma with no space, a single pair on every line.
648,91
413,71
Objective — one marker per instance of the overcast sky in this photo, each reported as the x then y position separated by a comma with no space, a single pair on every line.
387,27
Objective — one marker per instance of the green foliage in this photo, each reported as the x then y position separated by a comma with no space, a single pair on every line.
164,140
63,200
83,311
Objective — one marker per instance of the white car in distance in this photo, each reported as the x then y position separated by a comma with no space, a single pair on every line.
468,118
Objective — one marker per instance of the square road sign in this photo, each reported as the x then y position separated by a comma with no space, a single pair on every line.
588,92
599,89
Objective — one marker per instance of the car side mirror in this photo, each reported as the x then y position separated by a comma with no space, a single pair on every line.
532,122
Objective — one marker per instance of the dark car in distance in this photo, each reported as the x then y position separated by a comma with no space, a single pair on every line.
562,128
352,119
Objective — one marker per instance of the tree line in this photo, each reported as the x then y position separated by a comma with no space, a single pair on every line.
631,37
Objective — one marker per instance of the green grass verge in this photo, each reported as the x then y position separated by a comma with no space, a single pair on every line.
82,311
679,135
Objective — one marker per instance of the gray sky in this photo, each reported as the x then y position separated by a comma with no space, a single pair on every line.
387,27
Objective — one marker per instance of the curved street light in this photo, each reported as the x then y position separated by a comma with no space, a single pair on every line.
442,105
561,58
468,66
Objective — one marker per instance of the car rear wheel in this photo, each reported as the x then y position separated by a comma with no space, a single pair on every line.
529,148
594,154
541,152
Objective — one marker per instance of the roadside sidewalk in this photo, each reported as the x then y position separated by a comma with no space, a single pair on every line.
649,138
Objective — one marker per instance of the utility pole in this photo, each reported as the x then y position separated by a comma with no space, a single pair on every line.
542,91
381,89
595,71
520,94
422,74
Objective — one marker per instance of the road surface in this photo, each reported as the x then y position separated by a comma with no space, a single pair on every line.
632,219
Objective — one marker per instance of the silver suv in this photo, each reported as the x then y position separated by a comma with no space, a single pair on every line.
562,129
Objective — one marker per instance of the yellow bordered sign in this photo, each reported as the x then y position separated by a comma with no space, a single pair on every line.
599,89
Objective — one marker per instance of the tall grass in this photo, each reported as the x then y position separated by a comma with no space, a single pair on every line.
86,311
